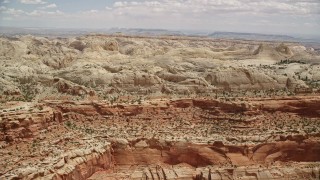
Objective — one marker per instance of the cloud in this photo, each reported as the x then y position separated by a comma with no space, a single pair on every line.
32,2
50,6
92,11
6,1
2,8
120,4
231,15
13,12
297,7
40,13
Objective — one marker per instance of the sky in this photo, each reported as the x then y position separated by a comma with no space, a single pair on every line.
288,17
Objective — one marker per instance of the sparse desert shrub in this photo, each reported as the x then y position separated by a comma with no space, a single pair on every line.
68,124
288,61
28,91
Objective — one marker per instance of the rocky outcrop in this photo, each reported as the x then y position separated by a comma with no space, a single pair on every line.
64,86
286,151
111,46
234,79
7,88
270,52
17,124
79,45
173,153
162,160
77,164
303,107
183,171
282,48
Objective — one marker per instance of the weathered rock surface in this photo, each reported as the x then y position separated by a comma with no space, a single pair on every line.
172,139
100,63
122,107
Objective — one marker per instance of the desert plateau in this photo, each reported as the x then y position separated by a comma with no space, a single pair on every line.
109,107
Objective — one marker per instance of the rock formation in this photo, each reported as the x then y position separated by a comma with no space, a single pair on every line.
185,138
124,107
184,66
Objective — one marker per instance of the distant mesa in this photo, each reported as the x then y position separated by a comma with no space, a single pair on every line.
280,52
282,48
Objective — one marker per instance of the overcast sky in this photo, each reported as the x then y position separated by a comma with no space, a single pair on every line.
262,16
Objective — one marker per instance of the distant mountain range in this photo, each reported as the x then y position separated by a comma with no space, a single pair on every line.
55,32
11,31
152,32
252,36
